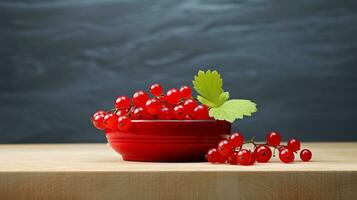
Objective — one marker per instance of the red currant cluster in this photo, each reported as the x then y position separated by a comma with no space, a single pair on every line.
175,104
232,151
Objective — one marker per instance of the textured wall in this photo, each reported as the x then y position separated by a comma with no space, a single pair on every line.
61,60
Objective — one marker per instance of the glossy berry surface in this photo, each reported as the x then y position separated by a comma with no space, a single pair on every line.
110,121
244,157
189,105
156,89
124,123
173,96
179,112
232,159
286,155
140,98
213,156
99,112
122,102
98,120
225,148
152,106
236,139
273,138
165,113
294,144
121,112
262,153
185,92
200,112
139,113
305,155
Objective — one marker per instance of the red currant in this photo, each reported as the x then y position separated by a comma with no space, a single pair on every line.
189,105
188,117
153,106
294,144
124,123
244,157
140,98
110,121
286,155
99,112
98,120
139,113
236,139
156,89
200,112
179,112
262,153
213,156
121,112
225,148
273,138
253,159
173,96
305,155
122,102
232,159
185,92
165,113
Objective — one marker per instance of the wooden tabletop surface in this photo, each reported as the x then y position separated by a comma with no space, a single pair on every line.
95,168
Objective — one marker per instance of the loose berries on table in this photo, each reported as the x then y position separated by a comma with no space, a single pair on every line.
305,155
273,138
294,144
213,156
286,155
232,151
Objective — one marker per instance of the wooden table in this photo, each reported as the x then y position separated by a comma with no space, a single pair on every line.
94,171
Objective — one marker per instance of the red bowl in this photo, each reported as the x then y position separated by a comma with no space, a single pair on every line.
168,140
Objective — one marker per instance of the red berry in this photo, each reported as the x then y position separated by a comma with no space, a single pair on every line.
189,105
305,155
273,138
121,112
262,153
124,123
232,159
179,112
140,98
99,112
139,113
173,96
156,89
153,106
225,148
185,92
122,102
214,156
294,144
98,120
286,155
165,113
236,139
200,112
253,159
244,157
110,121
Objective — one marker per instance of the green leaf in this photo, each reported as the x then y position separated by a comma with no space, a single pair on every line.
233,109
209,87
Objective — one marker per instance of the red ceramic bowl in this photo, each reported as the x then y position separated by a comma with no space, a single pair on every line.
168,140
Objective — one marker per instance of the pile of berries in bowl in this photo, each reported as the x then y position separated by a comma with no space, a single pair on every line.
171,127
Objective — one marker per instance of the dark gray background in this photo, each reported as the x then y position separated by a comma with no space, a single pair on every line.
61,60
